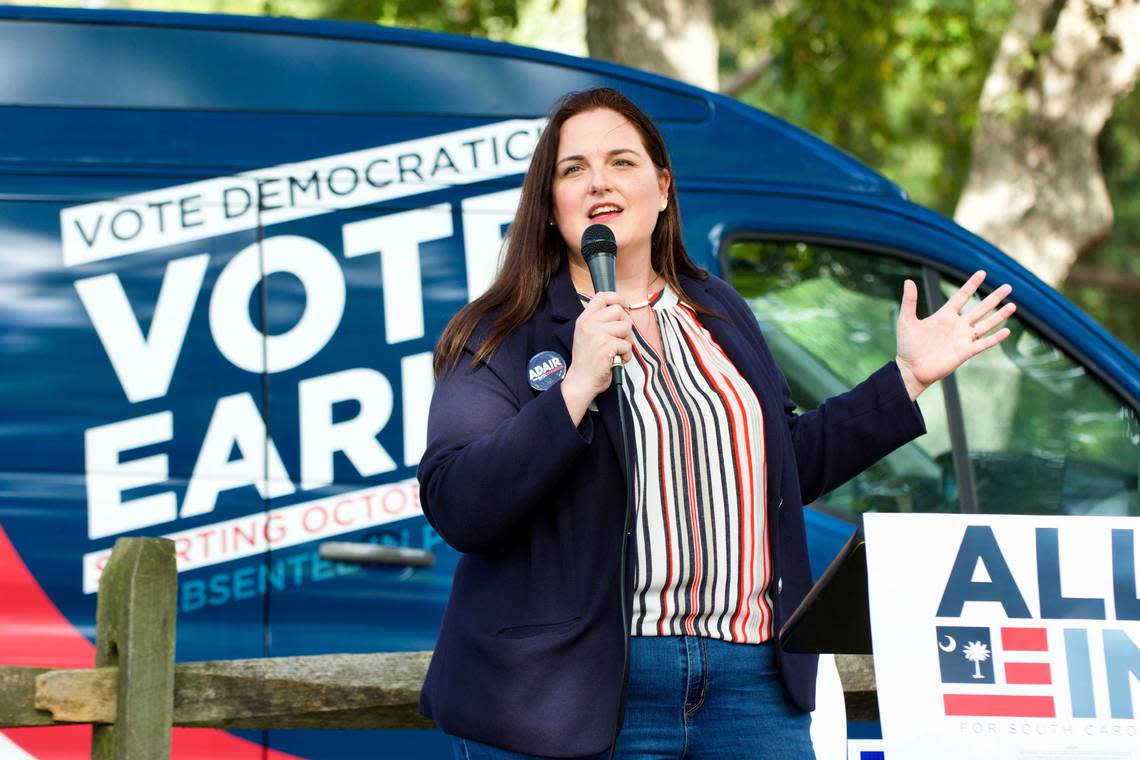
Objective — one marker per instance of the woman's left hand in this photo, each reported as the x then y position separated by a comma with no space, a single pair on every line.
930,349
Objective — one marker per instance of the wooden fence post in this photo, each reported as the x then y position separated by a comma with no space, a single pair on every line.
134,631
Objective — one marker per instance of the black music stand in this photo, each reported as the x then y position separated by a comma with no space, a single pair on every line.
834,617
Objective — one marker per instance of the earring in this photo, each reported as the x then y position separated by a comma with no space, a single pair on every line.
664,204
549,222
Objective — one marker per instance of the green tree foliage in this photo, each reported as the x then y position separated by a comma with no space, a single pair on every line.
895,83
483,18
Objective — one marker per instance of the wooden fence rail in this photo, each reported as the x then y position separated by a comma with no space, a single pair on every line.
136,692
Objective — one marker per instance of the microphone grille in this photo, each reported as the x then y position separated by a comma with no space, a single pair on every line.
598,239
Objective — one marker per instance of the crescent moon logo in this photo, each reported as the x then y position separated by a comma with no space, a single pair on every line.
950,644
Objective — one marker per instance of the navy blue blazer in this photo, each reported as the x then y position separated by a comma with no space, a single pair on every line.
529,657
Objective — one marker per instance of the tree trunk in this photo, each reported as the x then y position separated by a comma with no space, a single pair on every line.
671,37
1035,187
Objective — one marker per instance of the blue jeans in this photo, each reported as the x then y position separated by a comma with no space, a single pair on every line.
694,698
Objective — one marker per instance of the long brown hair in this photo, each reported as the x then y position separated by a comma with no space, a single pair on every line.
535,249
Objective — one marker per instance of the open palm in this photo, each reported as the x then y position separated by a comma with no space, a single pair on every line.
930,349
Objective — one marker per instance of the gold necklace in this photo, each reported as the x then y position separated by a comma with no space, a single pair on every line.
643,304
632,306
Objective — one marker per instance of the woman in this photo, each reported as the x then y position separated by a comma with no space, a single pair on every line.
523,474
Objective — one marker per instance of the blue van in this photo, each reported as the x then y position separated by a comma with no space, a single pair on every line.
228,246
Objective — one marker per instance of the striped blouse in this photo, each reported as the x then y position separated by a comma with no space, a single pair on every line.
703,560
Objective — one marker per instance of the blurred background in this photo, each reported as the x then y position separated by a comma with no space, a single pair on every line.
1019,119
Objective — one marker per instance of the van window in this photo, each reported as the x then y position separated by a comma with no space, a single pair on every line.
1046,436
828,314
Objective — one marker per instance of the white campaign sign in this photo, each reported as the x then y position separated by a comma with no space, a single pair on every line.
1005,636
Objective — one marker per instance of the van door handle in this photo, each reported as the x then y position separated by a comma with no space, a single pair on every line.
363,552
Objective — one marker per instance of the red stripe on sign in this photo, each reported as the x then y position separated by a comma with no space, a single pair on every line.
999,706
1028,672
1024,640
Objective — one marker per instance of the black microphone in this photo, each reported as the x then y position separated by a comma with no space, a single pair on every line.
599,249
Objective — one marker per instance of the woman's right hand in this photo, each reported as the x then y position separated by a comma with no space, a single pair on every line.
602,331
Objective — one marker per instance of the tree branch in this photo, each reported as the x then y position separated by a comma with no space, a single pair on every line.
744,77
1102,277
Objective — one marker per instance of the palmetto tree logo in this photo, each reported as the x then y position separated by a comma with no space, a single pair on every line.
965,653
977,653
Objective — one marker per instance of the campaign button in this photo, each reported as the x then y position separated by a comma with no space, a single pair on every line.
544,370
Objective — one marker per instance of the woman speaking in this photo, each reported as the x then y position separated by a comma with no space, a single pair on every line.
546,649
